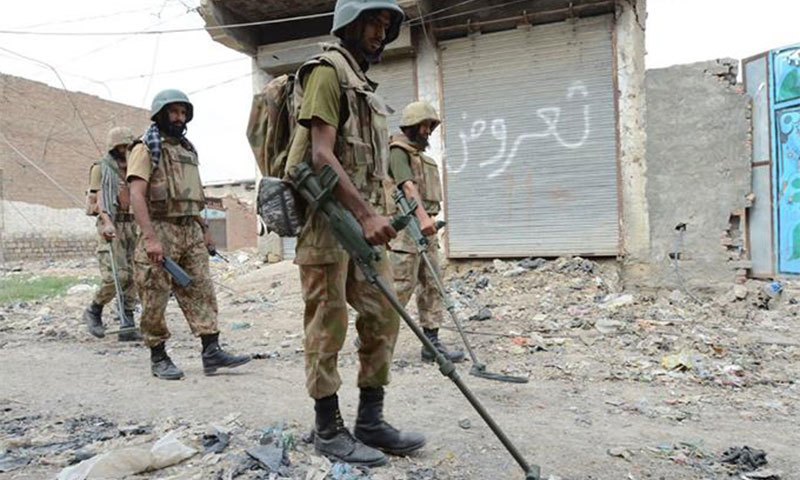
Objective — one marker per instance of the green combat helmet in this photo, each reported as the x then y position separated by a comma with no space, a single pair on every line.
119,136
347,11
417,112
171,95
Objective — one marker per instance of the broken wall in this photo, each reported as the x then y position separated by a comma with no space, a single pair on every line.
698,173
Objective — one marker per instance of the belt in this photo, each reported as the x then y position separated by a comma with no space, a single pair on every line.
185,220
123,217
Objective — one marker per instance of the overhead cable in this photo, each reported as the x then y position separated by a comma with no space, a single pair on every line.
63,89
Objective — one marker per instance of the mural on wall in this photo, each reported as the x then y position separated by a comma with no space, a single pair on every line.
788,148
787,74
785,105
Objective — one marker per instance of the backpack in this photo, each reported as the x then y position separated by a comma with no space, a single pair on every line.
269,131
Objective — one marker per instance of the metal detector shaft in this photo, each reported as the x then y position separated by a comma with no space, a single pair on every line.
421,242
120,297
449,305
449,370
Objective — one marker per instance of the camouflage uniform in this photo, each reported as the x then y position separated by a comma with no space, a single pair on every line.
121,247
408,267
329,279
175,199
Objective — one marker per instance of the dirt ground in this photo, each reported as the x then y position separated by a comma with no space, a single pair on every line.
622,385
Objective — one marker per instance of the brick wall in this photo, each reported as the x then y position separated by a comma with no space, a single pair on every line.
44,247
40,121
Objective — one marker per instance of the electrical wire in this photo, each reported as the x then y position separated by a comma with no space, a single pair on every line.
176,70
64,90
83,19
215,85
210,28
176,30
66,192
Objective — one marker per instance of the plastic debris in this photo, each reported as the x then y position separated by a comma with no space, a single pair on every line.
163,453
747,459
678,361
215,440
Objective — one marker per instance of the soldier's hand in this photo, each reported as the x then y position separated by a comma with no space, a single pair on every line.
155,252
108,231
427,226
378,230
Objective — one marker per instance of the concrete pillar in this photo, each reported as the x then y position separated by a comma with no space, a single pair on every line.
630,47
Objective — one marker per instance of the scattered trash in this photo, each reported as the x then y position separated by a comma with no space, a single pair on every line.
483,314
514,272
131,460
269,457
763,474
482,283
606,326
265,355
747,459
239,326
531,263
678,361
773,288
613,302
215,440
500,266
421,473
129,430
345,471
620,452
9,462
465,423
739,292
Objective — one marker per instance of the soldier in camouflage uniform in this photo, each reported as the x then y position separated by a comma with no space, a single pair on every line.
342,123
116,235
417,175
167,197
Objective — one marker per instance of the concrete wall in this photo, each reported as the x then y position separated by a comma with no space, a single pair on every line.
241,223
698,157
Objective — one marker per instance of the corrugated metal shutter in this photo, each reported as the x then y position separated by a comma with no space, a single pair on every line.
531,143
395,78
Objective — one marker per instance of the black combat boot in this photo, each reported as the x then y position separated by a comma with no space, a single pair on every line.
127,322
215,357
332,439
93,318
377,433
433,335
161,365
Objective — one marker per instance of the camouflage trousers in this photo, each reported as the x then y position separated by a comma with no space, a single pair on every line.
122,248
410,271
182,241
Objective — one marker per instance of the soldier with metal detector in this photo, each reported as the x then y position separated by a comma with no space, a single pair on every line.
116,237
417,176
342,127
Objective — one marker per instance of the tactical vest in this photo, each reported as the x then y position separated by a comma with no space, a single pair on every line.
426,175
362,135
175,189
